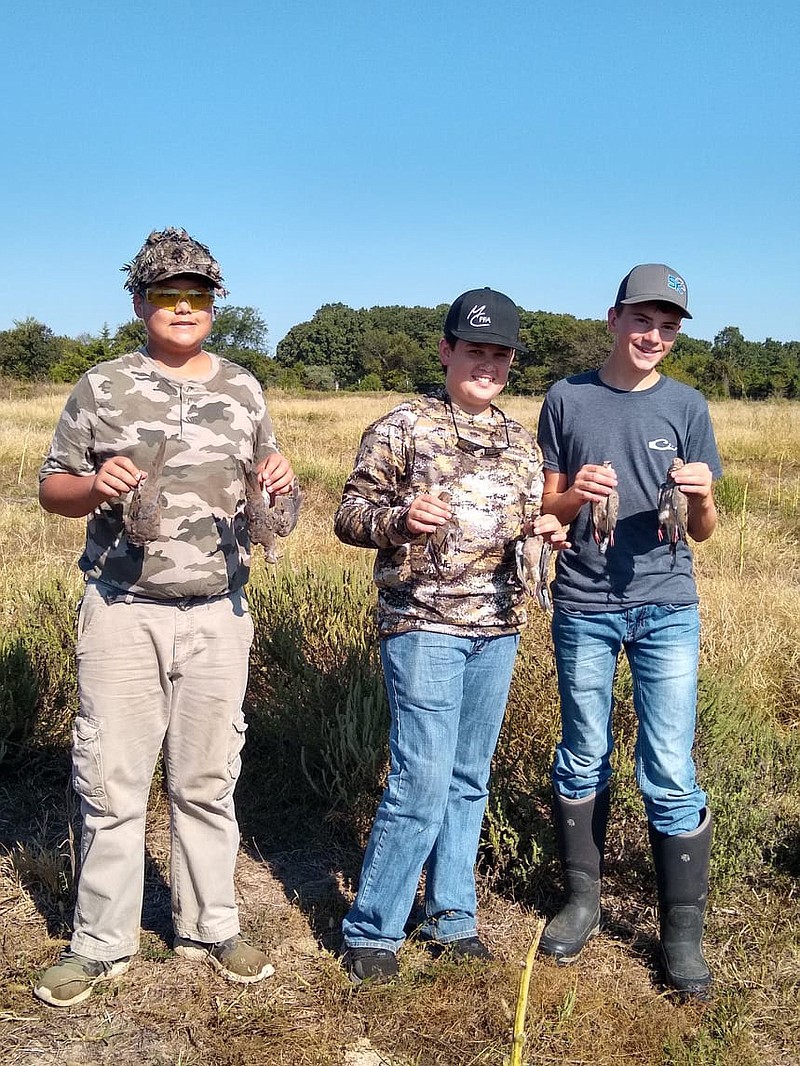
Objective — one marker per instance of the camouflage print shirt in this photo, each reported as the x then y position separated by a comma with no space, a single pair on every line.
125,407
474,589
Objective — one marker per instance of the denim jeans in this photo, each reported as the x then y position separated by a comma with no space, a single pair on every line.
662,646
447,697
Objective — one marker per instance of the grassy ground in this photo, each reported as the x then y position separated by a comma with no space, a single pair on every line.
301,848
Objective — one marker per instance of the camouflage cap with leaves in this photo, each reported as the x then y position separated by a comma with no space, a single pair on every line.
167,253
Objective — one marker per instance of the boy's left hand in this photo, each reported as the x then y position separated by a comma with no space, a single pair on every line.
695,479
549,527
276,474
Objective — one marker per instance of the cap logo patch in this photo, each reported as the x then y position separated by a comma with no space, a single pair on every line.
676,284
478,317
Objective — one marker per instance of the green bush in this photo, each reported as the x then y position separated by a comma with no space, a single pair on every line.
317,699
19,691
730,494
38,689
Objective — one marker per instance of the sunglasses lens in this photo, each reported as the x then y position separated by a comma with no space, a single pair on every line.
197,299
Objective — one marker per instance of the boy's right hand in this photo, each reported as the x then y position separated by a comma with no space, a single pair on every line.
426,513
117,476
594,483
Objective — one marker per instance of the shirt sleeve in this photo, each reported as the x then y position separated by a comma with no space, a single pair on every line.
701,444
264,443
373,511
549,434
72,447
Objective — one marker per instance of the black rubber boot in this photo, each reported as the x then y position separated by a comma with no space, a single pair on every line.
581,833
682,879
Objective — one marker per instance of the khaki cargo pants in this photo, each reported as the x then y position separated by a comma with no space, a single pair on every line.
158,677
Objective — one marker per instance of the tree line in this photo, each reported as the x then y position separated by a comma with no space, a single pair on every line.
395,348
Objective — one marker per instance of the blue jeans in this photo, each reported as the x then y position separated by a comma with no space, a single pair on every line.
662,646
447,697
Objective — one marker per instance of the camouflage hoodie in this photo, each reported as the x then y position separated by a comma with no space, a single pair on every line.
412,450
125,407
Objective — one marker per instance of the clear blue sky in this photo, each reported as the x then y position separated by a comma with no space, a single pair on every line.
379,153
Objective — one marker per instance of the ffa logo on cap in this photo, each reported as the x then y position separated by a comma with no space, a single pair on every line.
478,317
676,284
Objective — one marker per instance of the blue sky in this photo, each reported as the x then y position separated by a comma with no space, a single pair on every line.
376,153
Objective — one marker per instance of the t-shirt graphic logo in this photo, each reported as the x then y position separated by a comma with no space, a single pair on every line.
661,444
477,316
676,284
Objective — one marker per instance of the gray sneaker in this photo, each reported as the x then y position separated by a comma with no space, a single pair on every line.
234,958
73,977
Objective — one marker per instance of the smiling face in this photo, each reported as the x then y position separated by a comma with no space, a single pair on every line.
643,335
175,334
475,373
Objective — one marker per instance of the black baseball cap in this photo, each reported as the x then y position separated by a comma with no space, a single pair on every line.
486,317
654,283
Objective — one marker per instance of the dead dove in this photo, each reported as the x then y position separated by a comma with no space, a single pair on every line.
444,540
604,516
673,509
533,563
143,521
265,521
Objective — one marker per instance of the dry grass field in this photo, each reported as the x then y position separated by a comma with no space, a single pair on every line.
302,830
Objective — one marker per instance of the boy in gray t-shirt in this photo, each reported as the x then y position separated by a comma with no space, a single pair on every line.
630,459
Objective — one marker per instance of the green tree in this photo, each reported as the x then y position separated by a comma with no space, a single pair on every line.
29,350
320,378
399,361
331,338
76,358
558,345
691,362
238,329
128,337
240,334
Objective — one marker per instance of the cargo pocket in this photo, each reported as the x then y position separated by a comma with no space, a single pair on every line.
238,730
87,764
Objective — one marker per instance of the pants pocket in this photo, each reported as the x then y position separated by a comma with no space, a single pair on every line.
237,738
87,764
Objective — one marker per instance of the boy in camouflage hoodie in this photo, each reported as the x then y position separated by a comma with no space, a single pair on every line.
444,487
163,630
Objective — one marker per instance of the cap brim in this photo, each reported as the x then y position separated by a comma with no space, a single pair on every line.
164,275
656,298
487,338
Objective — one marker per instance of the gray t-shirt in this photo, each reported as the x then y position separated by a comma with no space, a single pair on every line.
585,421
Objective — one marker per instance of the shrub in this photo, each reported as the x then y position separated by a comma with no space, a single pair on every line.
38,691
317,695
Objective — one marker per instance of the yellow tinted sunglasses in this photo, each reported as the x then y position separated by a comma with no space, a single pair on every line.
197,299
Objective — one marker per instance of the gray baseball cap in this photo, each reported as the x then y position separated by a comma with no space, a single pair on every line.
654,283
167,253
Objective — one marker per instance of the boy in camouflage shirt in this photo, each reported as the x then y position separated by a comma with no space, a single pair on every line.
444,487
163,631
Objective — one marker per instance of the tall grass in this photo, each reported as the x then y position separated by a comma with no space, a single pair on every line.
317,739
